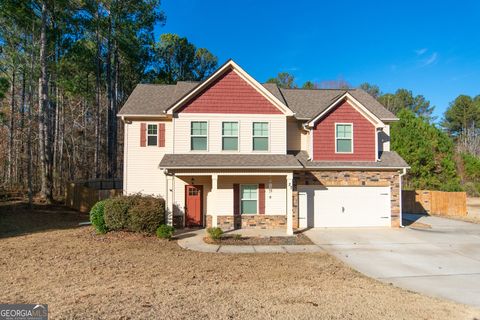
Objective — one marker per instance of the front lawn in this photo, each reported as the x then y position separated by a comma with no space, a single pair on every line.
81,275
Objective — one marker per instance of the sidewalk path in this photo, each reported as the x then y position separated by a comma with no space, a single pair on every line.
194,241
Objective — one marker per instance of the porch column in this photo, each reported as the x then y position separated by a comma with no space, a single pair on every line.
169,200
212,204
289,204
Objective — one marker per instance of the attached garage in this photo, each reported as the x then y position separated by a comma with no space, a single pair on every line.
355,206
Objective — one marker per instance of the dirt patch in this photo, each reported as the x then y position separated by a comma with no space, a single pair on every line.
237,240
16,218
473,208
121,275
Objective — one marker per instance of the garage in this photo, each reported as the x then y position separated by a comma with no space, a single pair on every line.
321,206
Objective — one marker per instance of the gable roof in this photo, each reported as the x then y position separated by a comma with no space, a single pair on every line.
226,67
304,104
307,103
357,105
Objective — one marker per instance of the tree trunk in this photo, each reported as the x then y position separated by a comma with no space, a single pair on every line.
111,105
44,114
11,132
98,65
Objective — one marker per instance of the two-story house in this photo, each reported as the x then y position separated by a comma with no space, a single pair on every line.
233,153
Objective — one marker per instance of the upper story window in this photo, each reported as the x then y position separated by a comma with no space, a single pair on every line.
248,198
229,136
260,136
343,138
198,135
152,135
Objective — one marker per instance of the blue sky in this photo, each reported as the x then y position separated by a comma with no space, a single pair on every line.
429,47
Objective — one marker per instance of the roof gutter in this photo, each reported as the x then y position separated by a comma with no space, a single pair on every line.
353,167
222,167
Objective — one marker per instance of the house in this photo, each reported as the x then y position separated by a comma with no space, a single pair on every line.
234,153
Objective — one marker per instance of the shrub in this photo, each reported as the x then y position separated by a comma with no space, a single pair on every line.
165,232
472,189
97,217
116,212
145,214
215,233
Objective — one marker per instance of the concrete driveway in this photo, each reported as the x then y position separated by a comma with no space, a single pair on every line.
443,261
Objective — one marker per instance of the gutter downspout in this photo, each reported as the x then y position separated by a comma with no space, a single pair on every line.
400,179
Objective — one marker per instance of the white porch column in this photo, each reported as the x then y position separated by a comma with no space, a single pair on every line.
212,204
289,204
169,200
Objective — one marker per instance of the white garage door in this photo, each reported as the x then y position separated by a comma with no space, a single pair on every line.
344,206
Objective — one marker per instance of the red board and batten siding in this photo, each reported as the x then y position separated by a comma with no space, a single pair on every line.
363,136
230,94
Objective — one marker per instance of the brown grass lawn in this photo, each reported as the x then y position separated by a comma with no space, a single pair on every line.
44,258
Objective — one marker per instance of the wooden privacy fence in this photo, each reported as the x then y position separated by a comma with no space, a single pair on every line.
434,202
82,195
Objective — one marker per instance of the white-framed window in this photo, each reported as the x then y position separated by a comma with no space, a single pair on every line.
260,136
249,199
198,135
152,135
229,136
344,138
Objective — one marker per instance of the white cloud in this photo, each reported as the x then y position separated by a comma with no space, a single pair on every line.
431,59
419,52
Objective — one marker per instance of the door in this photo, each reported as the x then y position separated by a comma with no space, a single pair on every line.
348,206
193,206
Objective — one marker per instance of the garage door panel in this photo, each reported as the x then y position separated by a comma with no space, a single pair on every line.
347,206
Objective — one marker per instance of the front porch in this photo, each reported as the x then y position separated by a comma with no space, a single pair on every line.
230,199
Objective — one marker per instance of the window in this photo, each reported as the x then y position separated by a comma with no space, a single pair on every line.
248,198
344,138
230,136
260,136
198,135
152,135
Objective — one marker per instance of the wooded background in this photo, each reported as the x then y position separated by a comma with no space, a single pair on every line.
67,67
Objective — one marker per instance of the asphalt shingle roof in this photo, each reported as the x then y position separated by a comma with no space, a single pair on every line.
151,99
154,99
388,159
200,161
307,103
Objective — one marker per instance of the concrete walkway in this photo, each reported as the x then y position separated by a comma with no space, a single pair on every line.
443,261
193,240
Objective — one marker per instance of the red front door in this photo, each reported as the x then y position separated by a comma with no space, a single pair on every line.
193,206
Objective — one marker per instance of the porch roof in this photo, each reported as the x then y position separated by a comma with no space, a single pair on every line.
229,161
388,160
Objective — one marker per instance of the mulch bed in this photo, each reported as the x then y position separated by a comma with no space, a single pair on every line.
234,240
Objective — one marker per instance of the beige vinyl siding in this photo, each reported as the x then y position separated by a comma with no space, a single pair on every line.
297,137
275,201
141,171
305,141
277,132
384,139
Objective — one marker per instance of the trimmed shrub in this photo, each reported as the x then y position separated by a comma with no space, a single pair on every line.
215,233
116,212
165,232
97,217
146,214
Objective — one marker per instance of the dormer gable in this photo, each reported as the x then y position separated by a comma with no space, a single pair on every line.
230,90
